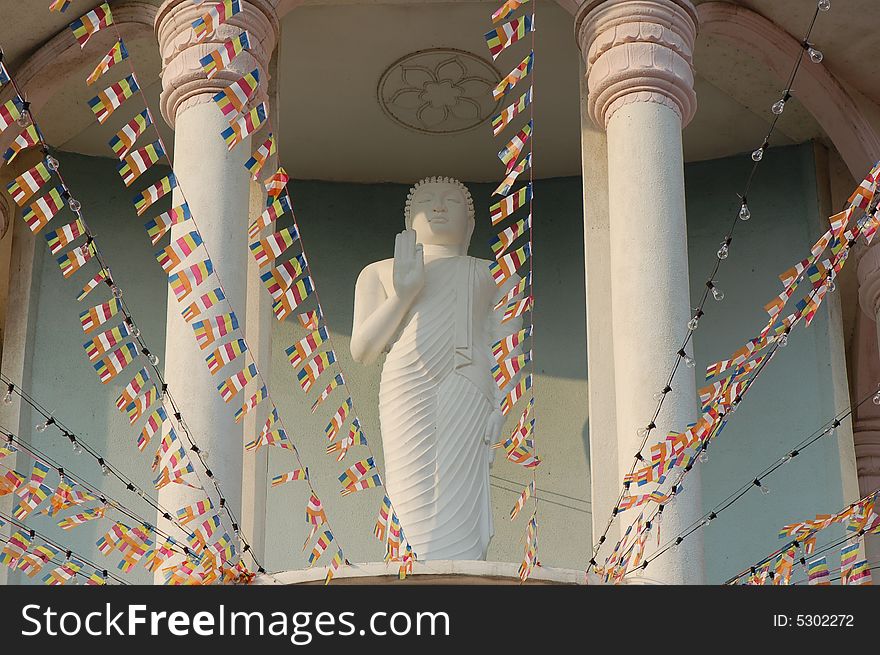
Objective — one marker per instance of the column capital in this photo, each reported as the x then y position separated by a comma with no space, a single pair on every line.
638,51
184,83
869,281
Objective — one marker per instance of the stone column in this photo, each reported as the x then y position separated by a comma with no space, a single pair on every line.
217,188
640,80
866,374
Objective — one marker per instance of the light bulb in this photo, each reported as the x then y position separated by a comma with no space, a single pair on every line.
831,286
116,291
104,469
642,433
744,212
75,205
876,398
816,56
717,294
824,5
41,427
25,119
758,154
51,163
783,341
765,490
7,398
689,361
724,251
778,107
704,456
659,396
693,323
133,329
154,359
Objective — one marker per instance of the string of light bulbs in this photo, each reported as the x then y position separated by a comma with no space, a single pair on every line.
81,447
75,206
743,214
68,551
758,480
797,543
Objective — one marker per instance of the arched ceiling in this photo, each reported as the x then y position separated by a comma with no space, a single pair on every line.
334,52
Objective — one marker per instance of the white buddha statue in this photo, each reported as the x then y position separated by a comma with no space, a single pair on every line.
430,308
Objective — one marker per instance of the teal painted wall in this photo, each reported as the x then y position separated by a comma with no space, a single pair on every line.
347,226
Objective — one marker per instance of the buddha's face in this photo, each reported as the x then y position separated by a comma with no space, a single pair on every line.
439,215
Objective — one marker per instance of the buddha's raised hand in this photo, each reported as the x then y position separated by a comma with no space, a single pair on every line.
409,265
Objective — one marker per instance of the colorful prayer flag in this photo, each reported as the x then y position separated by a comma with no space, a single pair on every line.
254,400
152,193
173,255
98,315
338,420
219,59
116,54
111,98
505,267
233,98
261,155
216,15
106,341
245,125
313,369
515,394
501,243
335,382
73,260
267,250
185,280
512,149
508,182
513,77
28,183
112,365
9,113
64,236
527,493
284,478
125,138
92,22
501,38
28,138
506,206
159,226
44,209
278,280
502,120
371,482
292,298
277,183
137,163
225,354
155,421
303,349
209,330
507,9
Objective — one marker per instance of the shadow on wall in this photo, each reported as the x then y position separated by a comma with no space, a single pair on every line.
347,226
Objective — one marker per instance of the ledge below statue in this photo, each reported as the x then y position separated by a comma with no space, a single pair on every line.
434,572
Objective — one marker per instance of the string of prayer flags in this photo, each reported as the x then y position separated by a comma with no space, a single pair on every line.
83,28
254,400
154,192
73,260
261,155
513,148
861,573
112,365
216,15
269,249
33,493
334,383
28,183
44,209
371,482
278,280
209,330
204,303
506,266
309,320
338,420
133,389
277,208
98,315
503,37
514,291
9,113
291,476
141,404
116,54
139,161
173,255
230,388
91,285
159,226
152,425
505,371
515,394
506,10
501,243
233,98
335,564
503,119
510,180
313,369
33,562
530,556
105,341
15,547
513,77
303,349
848,556
110,99
84,517
10,482
527,493
321,546
355,437
219,59
225,354
293,298
183,282
276,183
64,573
59,5
191,512
245,125
64,236
28,138
315,516
123,141
517,309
